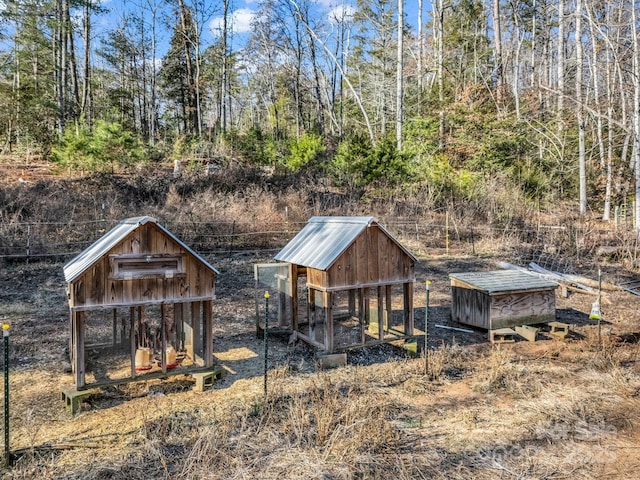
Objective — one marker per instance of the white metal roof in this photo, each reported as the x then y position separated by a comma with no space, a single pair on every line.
324,239
501,281
104,244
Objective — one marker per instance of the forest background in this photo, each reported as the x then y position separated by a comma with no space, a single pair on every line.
491,104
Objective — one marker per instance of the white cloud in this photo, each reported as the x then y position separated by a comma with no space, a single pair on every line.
240,21
341,13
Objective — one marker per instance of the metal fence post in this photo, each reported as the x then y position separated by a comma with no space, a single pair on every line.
266,340
7,451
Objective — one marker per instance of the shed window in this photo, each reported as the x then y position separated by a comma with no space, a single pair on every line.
146,266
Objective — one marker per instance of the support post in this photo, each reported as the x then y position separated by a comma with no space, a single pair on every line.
132,340
79,354
5,338
426,330
207,315
163,338
266,340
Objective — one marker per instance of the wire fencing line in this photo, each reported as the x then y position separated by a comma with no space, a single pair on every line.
555,246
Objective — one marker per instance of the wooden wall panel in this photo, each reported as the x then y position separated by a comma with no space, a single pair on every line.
99,287
372,256
362,250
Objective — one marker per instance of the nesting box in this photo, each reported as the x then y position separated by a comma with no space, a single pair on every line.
501,299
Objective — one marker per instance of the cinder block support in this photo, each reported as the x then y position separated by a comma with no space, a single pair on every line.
73,398
332,361
502,335
206,379
527,332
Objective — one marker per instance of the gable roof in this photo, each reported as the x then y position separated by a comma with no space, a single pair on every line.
324,239
75,267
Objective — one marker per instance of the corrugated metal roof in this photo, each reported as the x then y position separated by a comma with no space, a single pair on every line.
324,239
104,244
499,281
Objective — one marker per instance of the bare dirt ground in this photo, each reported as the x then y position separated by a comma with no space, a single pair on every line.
550,409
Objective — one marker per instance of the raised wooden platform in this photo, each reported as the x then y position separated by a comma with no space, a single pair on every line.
73,397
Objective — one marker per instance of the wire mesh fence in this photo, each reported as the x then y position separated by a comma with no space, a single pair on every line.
556,247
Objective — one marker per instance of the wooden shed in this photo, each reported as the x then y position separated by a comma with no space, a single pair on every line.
141,303
345,282
501,299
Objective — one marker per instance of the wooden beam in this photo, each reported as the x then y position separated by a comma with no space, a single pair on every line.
408,308
79,353
163,338
207,320
311,305
115,327
132,340
380,313
294,298
388,318
328,319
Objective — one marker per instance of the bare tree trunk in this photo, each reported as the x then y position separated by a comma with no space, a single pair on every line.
85,105
60,52
420,55
497,46
399,88
580,111
636,110
190,106
440,72
560,67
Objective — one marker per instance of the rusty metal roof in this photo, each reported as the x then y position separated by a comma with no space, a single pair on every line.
104,244
324,239
502,281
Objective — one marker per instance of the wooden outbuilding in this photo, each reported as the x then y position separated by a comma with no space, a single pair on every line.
501,299
344,282
141,303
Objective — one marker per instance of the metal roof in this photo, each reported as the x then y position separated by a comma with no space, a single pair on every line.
501,281
104,244
324,239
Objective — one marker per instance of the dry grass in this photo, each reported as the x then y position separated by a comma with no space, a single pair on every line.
527,411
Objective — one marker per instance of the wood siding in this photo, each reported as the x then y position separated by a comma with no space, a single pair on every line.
475,307
372,259
99,287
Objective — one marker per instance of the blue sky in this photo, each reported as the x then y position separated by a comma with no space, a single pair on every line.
243,13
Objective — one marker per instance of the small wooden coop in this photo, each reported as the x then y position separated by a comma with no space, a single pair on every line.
501,299
343,282
141,305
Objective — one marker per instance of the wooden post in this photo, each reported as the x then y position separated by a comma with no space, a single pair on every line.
388,320
163,338
196,333
207,316
177,316
311,306
132,340
79,355
294,297
328,321
380,313
408,308
115,328
72,341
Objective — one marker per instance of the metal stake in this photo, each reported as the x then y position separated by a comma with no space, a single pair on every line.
7,452
426,330
266,340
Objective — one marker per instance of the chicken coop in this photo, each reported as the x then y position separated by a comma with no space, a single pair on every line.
501,299
342,283
141,307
